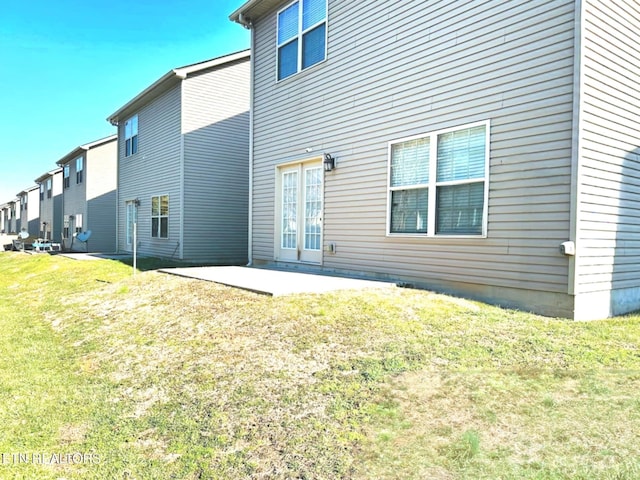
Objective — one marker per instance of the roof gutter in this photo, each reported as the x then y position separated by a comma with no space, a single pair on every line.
244,21
114,118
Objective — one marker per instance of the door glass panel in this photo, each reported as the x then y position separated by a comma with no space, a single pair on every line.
289,210
313,208
130,220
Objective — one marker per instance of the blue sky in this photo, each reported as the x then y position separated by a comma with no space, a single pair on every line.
66,65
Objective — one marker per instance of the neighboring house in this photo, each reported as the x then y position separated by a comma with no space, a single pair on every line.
490,149
183,164
50,199
4,221
7,216
14,217
29,204
89,182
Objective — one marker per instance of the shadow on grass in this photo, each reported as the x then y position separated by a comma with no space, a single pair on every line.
145,264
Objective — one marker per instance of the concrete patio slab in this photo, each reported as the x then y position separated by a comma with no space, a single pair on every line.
95,256
275,282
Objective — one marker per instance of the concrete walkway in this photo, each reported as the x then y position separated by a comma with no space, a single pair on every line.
95,256
275,282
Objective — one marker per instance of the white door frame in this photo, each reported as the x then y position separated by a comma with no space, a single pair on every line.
131,212
304,241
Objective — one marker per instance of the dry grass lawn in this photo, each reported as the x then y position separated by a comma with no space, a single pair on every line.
168,377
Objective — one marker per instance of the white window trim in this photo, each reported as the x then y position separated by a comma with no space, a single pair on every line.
79,162
299,35
132,136
433,184
167,216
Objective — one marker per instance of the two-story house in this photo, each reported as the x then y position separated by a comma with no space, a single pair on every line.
490,149
50,202
183,164
4,220
7,215
89,182
29,205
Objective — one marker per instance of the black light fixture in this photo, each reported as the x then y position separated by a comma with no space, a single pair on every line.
329,162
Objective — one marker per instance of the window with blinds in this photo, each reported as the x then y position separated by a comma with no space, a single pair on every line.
438,182
302,36
160,216
131,136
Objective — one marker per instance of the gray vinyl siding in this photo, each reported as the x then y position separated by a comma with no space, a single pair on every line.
609,202
14,221
101,183
216,164
154,170
74,202
395,70
51,209
4,222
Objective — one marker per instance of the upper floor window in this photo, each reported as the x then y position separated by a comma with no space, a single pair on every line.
302,36
438,182
160,216
49,187
65,176
79,169
131,136
77,223
42,191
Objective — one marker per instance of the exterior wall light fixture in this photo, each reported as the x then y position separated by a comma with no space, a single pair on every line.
329,162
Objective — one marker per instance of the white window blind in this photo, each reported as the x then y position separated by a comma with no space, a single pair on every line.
313,11
410,163
301,37
288,23
461,154
454,202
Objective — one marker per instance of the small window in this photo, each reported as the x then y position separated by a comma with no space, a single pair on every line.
41,191
79,169
77,223
131,136
438,183
65,176
49,188
65,226
160,216
302,36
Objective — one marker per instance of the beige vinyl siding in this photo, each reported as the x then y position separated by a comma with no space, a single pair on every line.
216,164
154,170
609,202
101,183
404,69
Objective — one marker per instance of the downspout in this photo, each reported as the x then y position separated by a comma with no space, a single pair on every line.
182,133
247,24
117,195
115,124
